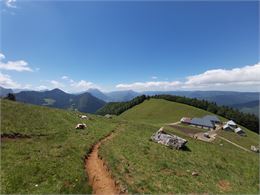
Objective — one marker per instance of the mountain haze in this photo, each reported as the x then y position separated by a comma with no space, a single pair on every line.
4,91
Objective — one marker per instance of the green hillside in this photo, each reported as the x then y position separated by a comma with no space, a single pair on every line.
159,111
52,160
147,167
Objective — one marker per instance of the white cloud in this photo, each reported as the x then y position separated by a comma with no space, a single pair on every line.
41,87
15,65
68,85
82,85
19,65
244,75
154,77
65,77
2,56
246,78
56,84
7,82
10,3
151,85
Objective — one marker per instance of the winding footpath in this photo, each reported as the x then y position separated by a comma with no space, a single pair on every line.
99,177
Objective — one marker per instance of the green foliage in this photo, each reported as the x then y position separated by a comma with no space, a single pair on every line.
10,96
117,108
52,160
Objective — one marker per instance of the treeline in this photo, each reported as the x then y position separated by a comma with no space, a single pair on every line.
249,121
10,96
117,108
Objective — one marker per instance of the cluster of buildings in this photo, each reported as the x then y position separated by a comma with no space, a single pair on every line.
232,126
211,122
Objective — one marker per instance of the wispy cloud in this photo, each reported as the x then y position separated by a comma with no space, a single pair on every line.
78,86
150,85
19,65
41,87
82,85
221,79
154,77
10,3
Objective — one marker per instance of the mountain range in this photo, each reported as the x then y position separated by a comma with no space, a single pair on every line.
57,98
114,96
93,99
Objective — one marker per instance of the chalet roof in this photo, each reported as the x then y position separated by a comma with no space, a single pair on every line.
232,123
202,122
185,120
226,126
211,118
238,130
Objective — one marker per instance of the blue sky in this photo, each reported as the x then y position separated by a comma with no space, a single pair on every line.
76,45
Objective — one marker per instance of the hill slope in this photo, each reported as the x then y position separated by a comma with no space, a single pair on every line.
248,107
147,167
50,159
159,111
59,99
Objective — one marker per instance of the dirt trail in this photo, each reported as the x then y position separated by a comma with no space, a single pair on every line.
98,174
234,144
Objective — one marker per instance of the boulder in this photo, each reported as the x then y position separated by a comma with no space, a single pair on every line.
172,141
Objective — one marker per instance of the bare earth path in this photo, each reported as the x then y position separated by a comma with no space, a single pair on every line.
99,177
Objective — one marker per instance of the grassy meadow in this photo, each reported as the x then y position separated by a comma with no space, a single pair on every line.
147,167
159,111
52,160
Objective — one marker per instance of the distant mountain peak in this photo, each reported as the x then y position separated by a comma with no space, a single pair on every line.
57,90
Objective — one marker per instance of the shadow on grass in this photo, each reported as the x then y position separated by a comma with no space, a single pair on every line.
186,149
